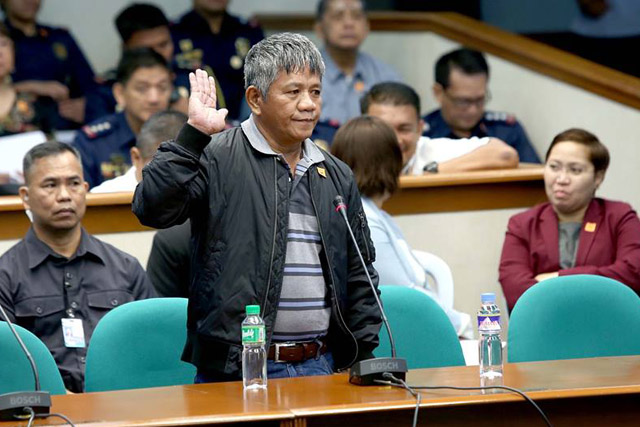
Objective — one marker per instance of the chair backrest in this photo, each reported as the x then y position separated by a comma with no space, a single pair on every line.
440,271
15,369
139,345
422,332
572,317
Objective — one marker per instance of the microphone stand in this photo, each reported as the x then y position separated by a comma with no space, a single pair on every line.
366,372
13,405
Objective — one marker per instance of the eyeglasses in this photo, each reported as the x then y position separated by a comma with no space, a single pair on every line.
465,103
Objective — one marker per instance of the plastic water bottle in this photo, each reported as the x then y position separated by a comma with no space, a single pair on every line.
489,343
254,355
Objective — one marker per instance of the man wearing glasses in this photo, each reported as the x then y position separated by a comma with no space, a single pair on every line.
461,90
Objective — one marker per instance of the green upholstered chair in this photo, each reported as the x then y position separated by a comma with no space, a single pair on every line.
139,345
422,332
572,317
15,369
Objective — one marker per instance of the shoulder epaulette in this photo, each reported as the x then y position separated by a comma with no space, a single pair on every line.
106,77
96,130
500,116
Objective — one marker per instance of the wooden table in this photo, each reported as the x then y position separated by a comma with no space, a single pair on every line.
581,392
498,189
469,191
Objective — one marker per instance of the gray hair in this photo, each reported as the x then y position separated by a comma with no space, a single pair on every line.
288,52
162,126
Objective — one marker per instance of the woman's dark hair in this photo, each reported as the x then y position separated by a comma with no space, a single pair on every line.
370,148
598,153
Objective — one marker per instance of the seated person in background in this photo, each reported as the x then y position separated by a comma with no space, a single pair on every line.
169,265
605,32
141,25
20,111
143,88
48,62
574,232
399,106
370,148
343,26
208,37
59,281
160,127
461,90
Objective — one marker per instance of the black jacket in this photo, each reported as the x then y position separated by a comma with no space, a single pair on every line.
237,200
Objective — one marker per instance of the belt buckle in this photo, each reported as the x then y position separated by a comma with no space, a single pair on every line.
276,356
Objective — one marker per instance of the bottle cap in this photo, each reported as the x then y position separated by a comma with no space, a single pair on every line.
488,297
252,309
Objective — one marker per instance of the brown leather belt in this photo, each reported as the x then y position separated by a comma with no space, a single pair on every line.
296,351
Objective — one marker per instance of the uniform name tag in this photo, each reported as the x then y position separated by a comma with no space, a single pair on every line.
73,333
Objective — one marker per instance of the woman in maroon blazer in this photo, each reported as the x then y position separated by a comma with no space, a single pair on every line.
574,232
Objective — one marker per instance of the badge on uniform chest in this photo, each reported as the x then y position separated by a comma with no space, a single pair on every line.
73,333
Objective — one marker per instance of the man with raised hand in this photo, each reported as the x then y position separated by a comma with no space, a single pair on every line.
260,200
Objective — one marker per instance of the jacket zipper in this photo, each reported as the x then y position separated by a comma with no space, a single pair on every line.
273,241
362,230
332,286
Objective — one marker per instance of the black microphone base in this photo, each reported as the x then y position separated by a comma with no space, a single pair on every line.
13,404
365,372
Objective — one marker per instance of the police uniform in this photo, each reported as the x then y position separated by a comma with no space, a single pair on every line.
222,54
324,132
104,147
51,54
494,124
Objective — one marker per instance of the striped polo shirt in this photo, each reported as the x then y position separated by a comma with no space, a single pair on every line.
303,310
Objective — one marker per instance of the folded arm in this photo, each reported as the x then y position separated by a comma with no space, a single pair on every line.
626,266
495,154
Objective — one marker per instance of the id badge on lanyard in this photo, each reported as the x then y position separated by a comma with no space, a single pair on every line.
73,333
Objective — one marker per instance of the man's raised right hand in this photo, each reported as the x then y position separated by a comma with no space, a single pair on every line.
203,114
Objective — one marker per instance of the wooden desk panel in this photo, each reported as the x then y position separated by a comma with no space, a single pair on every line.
453,192
106,213
600,391
499,189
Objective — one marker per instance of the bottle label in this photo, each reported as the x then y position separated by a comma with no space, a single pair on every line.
489,323
253,334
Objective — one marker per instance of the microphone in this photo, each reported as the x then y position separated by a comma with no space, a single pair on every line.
13,405
366,372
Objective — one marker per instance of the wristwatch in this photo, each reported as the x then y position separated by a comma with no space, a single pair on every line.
431,167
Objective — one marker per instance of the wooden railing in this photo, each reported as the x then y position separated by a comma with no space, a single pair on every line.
106,213
517,49
499,189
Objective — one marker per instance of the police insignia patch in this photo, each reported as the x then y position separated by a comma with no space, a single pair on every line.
235,62
242,46
60,51
185,45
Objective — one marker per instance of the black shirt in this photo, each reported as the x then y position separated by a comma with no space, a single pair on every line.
39,287
169,265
